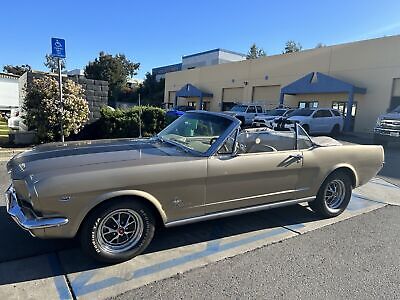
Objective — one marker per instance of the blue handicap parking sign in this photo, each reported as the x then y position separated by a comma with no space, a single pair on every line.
58,47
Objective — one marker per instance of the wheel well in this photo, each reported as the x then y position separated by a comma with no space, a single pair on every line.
349,172
144,201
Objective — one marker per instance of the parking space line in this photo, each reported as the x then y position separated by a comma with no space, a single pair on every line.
212,247
60,281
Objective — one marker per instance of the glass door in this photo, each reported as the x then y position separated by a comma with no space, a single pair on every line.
342,107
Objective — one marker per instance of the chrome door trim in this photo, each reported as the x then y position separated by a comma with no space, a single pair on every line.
238,211
254,197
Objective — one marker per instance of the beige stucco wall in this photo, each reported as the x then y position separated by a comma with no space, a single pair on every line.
371,64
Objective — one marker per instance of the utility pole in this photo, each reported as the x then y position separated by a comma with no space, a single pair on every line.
61,99
140,118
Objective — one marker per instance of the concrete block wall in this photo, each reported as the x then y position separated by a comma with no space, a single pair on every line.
96,94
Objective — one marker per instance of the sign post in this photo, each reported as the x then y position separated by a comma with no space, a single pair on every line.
58,50
140,118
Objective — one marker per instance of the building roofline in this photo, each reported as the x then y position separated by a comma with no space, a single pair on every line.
166,66
8,75
268,57
213,50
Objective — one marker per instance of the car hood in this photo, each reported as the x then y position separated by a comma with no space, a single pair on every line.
231,113
390,116
266,118
63,156
298,118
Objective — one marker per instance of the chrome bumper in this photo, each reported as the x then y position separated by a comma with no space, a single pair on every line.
28,222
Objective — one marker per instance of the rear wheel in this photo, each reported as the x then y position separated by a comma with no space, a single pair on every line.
333,196
117,231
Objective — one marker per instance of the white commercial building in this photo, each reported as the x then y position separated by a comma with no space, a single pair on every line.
9,91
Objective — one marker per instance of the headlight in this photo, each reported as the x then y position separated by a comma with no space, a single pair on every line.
379,122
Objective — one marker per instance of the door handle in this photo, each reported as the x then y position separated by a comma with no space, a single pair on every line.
296,156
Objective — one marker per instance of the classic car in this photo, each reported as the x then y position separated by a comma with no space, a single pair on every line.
113,194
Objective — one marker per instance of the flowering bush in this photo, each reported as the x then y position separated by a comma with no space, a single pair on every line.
43,110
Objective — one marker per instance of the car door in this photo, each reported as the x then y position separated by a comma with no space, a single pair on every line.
326,121
250,114
321,121
251,179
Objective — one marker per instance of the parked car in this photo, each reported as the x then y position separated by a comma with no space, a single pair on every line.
245,112
387,127
265,119
115,193
314,120
15,121
176,112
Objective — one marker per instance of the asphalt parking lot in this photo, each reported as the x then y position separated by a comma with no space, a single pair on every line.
280,253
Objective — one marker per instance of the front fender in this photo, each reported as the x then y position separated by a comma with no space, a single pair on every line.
144,195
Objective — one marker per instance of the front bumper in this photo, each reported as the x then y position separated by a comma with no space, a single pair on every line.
26,218
387,132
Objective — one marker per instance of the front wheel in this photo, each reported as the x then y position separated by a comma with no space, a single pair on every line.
333,196
117,231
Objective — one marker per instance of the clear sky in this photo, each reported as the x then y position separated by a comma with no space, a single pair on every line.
157,33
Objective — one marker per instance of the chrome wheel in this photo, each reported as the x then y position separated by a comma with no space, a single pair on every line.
119,231
335,193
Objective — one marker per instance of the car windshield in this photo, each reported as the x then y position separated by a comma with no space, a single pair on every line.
397,109
196,131
303,112
276,112
239,108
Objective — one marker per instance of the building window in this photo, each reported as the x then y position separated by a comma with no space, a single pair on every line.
308,104
192,103
342,107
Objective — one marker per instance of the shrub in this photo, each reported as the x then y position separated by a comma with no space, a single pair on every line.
125,123
42,108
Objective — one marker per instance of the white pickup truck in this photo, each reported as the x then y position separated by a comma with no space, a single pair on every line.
245,112
387,127
314,121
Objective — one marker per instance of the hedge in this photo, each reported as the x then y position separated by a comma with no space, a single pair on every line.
123,123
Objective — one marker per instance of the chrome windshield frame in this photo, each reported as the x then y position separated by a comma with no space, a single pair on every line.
216,145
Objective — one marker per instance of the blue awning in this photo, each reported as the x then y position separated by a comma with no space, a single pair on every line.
319,83
189,90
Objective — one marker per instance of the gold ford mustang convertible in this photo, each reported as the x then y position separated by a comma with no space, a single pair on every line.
114,193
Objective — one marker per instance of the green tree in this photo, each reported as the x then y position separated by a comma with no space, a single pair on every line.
291,46
255,52
17,70
43,109
151,90
52,63
114,69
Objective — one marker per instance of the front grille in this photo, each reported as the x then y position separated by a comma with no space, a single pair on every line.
390,124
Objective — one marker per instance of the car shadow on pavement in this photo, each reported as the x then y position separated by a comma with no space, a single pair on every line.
65,256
